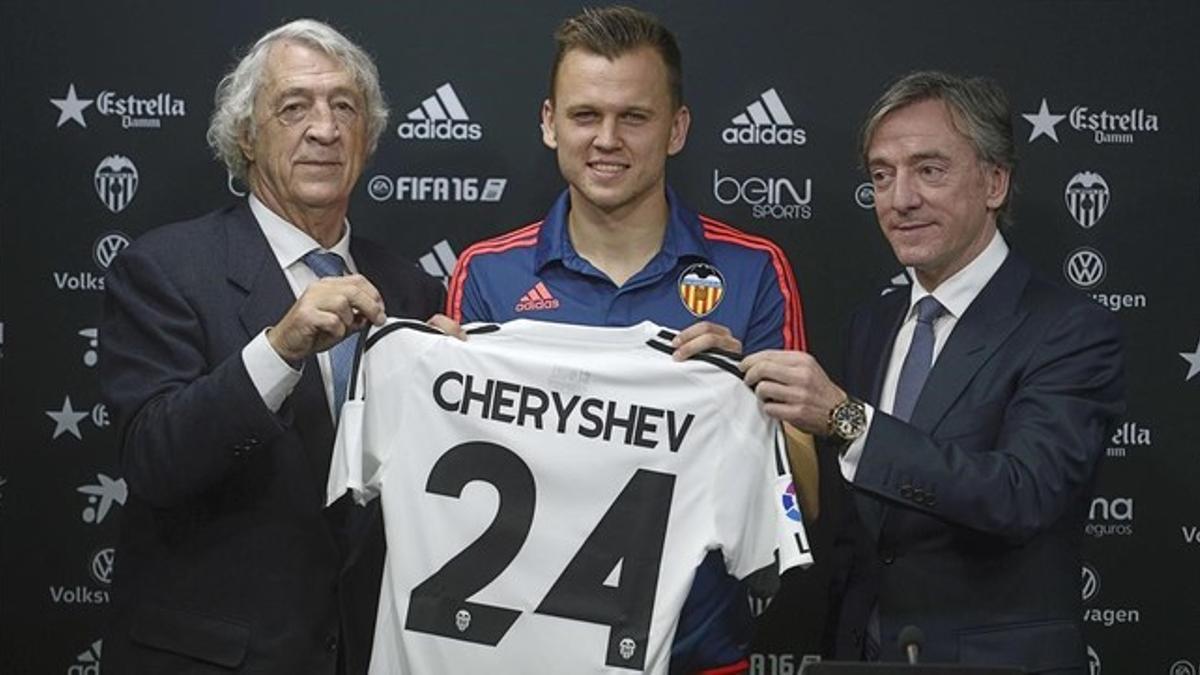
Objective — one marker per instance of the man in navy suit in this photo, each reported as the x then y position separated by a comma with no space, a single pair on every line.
225,364
974,410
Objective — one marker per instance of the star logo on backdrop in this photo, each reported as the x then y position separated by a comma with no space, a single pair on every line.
71,107
66,419
1043,122
1193,359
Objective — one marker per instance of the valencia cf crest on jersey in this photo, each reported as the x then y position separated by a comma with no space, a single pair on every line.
701,288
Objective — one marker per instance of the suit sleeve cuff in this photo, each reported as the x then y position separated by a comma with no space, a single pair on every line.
272,376
850,457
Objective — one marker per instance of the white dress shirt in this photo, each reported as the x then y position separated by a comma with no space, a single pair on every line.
955,294
272,376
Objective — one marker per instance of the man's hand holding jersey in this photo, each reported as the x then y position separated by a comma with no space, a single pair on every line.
325,313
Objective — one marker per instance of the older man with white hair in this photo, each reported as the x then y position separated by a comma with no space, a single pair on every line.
225,361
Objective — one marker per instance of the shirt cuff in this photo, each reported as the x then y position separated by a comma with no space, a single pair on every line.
850,457
272,376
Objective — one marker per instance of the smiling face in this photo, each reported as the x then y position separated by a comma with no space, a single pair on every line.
613,126
935,199
309,142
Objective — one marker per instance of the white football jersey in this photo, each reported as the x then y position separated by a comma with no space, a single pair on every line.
548,491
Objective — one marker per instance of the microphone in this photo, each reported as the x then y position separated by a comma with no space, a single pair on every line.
911,639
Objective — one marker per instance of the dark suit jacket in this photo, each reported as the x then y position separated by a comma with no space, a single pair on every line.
226,558
967,522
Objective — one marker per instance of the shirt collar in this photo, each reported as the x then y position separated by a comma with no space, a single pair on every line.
288,242
958,292
684,236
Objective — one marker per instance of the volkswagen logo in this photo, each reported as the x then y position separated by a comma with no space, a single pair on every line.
1084,267
107,247
102,565
1091,582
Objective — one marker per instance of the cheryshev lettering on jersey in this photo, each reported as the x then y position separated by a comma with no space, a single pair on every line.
513,403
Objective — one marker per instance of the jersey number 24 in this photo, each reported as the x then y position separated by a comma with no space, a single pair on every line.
630,533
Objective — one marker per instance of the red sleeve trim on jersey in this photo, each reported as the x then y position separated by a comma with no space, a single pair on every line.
738,668
793,313
522,236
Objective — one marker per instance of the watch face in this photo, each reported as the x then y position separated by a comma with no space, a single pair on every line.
849,420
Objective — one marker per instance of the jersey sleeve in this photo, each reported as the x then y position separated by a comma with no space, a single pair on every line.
346,472
777,320
363,445
759,522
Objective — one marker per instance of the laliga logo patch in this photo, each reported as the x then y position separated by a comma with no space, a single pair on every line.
791,504
116,182
701,288
1087,197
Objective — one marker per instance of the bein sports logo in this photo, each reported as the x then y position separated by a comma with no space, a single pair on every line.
1110,516
775,198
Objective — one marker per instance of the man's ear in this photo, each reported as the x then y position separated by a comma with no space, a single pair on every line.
548,135
998,185
679,130
245,143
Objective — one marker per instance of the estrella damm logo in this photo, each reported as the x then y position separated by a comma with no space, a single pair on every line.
701,288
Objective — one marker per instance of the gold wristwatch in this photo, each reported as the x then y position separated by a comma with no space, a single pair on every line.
848,420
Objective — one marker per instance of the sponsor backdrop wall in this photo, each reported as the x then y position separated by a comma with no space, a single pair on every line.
104,110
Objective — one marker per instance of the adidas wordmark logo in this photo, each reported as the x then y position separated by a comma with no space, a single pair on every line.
765,122
440,117
538,297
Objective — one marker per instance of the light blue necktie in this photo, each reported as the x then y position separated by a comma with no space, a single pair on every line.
341,355
919,360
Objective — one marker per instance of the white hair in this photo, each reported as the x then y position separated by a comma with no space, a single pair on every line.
233,108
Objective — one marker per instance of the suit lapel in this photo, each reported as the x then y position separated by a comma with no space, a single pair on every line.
884,326
254,269
372,268
987,323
